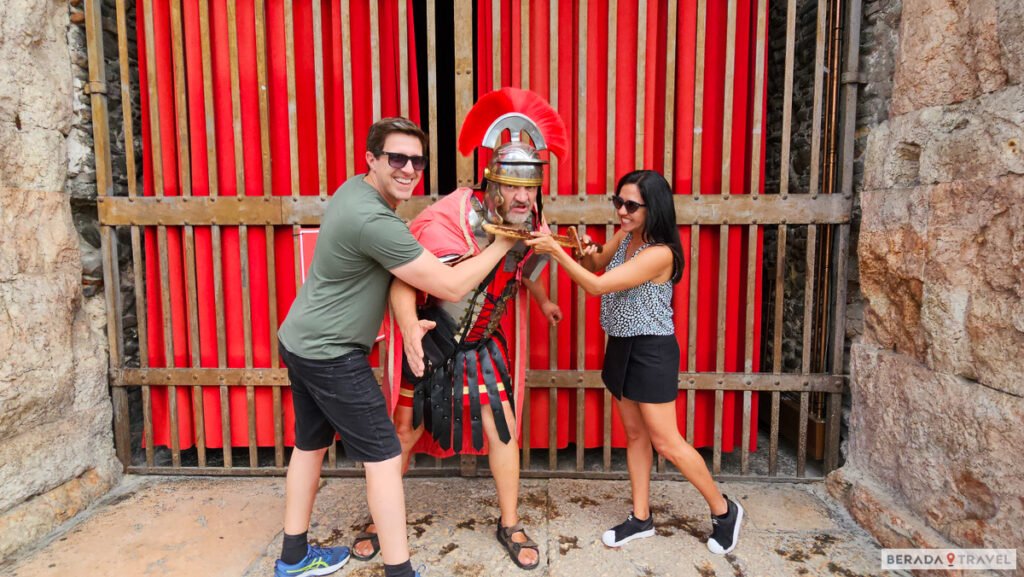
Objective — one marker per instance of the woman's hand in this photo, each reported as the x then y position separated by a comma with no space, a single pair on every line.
542,243
589,248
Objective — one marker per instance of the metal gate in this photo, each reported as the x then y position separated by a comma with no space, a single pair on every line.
196,395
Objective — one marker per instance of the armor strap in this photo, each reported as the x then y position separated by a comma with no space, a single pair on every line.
474,399
499,362
419,395
441,407
459,378
493,397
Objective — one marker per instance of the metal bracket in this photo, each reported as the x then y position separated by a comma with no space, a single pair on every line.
94,87
853,78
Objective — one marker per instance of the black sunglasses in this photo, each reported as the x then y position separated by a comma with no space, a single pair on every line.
631,205
398,160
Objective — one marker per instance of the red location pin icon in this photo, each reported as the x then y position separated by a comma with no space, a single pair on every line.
950,557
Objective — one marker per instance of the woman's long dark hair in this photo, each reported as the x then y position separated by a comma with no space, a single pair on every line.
660,224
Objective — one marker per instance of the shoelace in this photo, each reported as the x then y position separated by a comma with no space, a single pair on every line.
319,551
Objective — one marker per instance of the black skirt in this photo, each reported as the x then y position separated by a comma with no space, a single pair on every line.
644,369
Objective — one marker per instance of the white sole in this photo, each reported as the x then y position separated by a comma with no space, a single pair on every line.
609,538
713,545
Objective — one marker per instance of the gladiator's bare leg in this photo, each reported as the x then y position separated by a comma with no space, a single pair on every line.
504,462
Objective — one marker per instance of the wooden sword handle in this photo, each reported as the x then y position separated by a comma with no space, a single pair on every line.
571,240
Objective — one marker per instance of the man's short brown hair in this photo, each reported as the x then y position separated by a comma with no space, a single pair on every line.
384,127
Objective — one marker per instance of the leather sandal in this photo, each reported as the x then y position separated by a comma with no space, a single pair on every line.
364,536
504,535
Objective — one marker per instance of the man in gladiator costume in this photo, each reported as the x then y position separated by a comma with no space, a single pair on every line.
456,379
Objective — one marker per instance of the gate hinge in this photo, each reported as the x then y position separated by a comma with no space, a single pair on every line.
94,87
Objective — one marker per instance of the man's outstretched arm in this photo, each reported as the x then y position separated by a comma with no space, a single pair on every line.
429,275
552,312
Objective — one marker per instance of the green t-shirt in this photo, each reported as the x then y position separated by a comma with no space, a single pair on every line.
340,306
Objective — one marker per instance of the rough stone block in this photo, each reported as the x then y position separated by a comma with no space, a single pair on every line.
881,513
44,457
892,255
943,284
36,377
954,51
974,311
39,237
978,139
34,158
34,50
948,445
31,521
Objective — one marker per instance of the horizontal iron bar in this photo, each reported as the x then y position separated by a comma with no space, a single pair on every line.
705,209
203,377
270,471
213,377
446,472
697,381
655,476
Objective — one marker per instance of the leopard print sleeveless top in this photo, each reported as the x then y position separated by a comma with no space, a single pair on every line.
645,309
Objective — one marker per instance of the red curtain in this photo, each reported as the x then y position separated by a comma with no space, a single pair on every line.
598,68
251,182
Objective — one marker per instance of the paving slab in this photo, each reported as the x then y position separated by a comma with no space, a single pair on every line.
152,526
158,526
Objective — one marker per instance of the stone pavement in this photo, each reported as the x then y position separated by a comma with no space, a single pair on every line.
188,527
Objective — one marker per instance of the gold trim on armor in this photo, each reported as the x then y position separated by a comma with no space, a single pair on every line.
512,180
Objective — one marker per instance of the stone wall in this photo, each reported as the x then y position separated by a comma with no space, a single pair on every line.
56,452
937,377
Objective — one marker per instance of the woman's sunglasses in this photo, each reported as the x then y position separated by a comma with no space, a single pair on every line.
631,205
398,160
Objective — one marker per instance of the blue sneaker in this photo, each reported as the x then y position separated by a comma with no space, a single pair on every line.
318,561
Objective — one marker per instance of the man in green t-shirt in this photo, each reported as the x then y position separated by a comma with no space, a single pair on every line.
330,329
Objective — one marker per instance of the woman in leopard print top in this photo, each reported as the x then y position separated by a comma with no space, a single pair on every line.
642,262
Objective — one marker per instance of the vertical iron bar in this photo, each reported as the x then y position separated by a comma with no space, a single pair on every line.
641,83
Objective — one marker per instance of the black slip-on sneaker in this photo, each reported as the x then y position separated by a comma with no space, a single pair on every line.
725,532
631,528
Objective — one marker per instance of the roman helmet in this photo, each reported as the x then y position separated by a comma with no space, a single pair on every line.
515,162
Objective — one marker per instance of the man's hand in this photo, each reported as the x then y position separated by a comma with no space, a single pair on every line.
412,344
552,312
505,242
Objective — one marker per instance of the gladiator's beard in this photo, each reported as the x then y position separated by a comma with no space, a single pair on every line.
498,211
517,217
